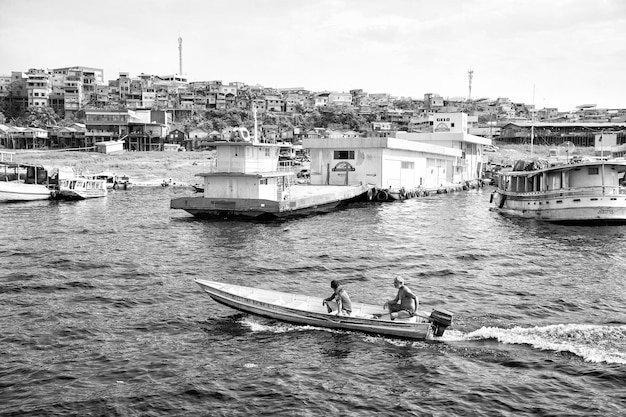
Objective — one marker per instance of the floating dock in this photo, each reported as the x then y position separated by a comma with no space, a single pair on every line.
302,200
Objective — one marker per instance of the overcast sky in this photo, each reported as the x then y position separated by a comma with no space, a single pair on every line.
553,53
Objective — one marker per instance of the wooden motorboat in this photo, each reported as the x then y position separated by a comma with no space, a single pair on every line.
586,192
198,188
80,188
23,182
113,181
309,310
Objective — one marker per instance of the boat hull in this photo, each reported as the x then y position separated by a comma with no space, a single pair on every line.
82,189
209,208
81,194
589,209
306,310
301,204
14,192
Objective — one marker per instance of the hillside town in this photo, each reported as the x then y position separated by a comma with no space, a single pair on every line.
74,107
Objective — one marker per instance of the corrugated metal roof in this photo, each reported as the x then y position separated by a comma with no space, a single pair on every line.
567,124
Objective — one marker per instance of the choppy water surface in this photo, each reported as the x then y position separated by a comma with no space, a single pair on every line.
100,314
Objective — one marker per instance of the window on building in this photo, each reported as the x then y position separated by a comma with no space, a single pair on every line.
593,171
407,165
343,155
263,181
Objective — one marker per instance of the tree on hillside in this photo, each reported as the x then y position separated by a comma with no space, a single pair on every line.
332,115
187,125
232,117
40,117
404,104
77,117
10,110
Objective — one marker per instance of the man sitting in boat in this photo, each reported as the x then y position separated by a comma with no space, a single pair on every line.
341,297
404,304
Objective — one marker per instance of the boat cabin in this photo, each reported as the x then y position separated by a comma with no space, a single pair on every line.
576,177
26,173
247,170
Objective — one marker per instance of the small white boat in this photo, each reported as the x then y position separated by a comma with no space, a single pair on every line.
113,181
79,188
23,182
587,192
308,310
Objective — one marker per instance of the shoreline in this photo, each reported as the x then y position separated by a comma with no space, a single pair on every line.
153,168
150,168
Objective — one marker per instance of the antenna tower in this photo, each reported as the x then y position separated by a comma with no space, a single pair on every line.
470,75
180,56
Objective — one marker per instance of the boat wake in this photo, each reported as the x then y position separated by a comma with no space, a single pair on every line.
262,325
593,343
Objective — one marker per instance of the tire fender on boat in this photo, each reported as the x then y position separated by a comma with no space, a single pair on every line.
382,195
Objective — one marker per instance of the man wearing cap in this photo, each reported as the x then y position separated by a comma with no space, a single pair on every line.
405,303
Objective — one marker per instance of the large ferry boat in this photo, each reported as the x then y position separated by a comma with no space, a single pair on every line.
247,182
585,192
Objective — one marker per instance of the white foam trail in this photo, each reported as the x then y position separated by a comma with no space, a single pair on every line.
452,335
591,342
257,325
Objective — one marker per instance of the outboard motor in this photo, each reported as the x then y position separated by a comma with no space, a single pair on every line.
441,319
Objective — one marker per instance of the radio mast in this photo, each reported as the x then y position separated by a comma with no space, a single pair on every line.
180,56
470,75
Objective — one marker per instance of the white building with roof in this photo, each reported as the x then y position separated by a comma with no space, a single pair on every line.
408,160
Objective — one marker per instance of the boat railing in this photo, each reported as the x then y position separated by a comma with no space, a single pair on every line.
6,155
286,168
209,167
591,191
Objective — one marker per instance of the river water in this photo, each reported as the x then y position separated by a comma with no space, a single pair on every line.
100,314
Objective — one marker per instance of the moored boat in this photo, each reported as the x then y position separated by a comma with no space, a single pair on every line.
113,181
23,182
246,182
309,310
80,188
587,192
